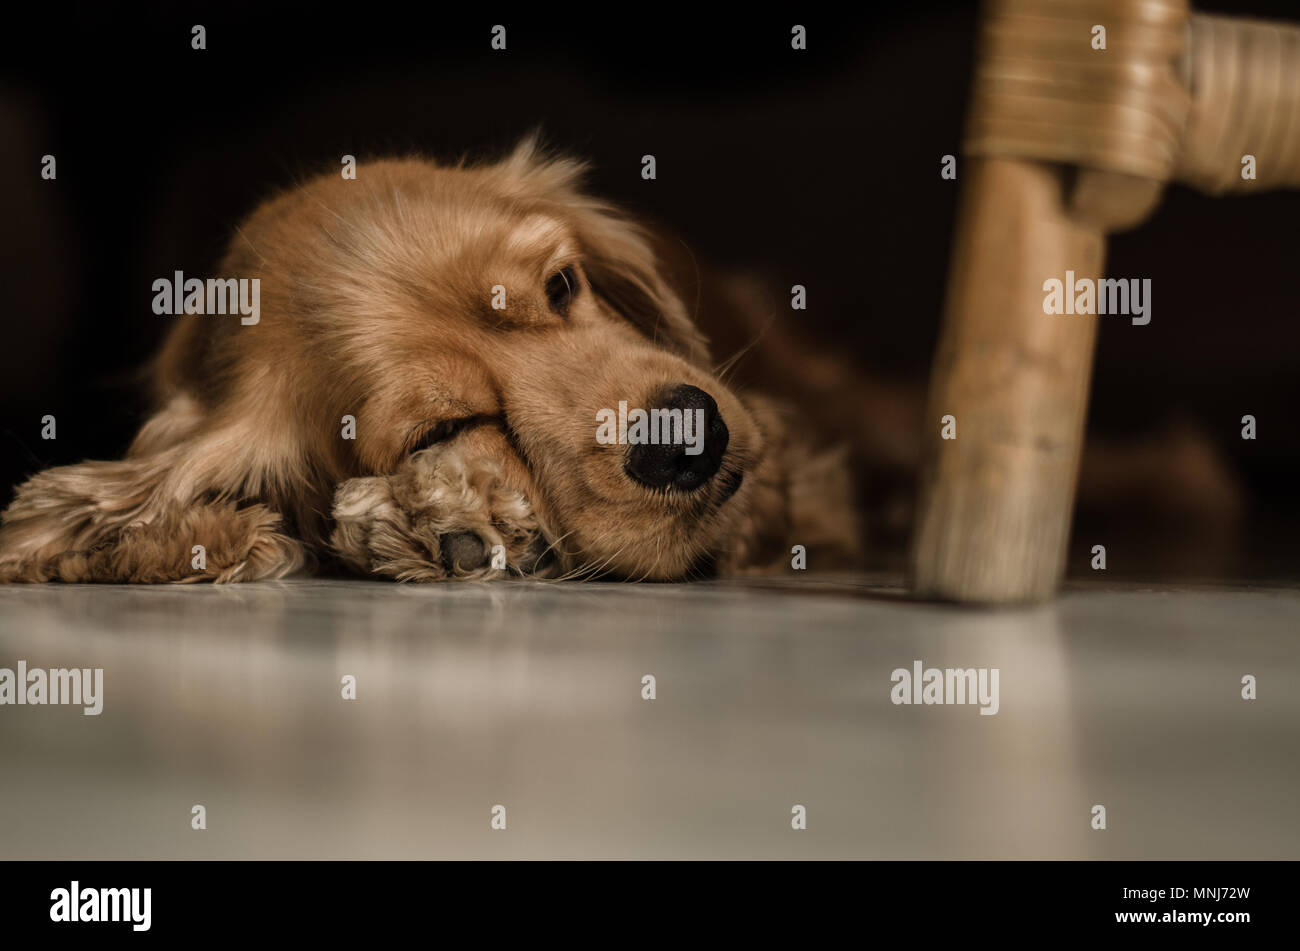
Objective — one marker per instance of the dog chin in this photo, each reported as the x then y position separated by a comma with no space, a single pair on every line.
690,545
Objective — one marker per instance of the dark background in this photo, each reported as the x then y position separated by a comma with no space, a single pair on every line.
817,167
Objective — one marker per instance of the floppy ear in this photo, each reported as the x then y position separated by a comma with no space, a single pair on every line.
624,270
618,256
141,518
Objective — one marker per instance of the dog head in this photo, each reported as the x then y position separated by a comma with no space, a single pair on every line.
426,302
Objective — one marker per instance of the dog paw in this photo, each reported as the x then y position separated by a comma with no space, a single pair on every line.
443,515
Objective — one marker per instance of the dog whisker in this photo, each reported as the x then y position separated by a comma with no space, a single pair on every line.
722,369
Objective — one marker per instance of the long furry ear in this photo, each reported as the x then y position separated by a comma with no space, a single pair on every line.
624,271
618,257
152,517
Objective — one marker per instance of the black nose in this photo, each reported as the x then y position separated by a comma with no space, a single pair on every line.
677,461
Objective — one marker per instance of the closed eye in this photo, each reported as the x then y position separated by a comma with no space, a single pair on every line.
426,435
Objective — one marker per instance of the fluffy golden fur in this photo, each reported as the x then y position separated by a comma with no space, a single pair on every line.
376,303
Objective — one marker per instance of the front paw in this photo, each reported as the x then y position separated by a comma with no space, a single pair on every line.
443,515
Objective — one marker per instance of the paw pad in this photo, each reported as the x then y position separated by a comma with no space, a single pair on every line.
463,552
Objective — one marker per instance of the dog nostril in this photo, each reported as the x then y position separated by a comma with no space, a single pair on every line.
677,461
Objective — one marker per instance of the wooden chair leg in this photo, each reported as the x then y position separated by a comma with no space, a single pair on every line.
1070,138
996,500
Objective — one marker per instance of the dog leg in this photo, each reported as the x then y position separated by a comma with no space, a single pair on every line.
446,514
98,522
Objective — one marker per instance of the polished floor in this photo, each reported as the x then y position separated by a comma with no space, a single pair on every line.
768,696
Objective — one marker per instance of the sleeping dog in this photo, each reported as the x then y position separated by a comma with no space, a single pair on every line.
419,399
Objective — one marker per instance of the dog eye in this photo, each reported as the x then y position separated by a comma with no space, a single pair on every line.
561,289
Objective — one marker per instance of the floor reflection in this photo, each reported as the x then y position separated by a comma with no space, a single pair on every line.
530,696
